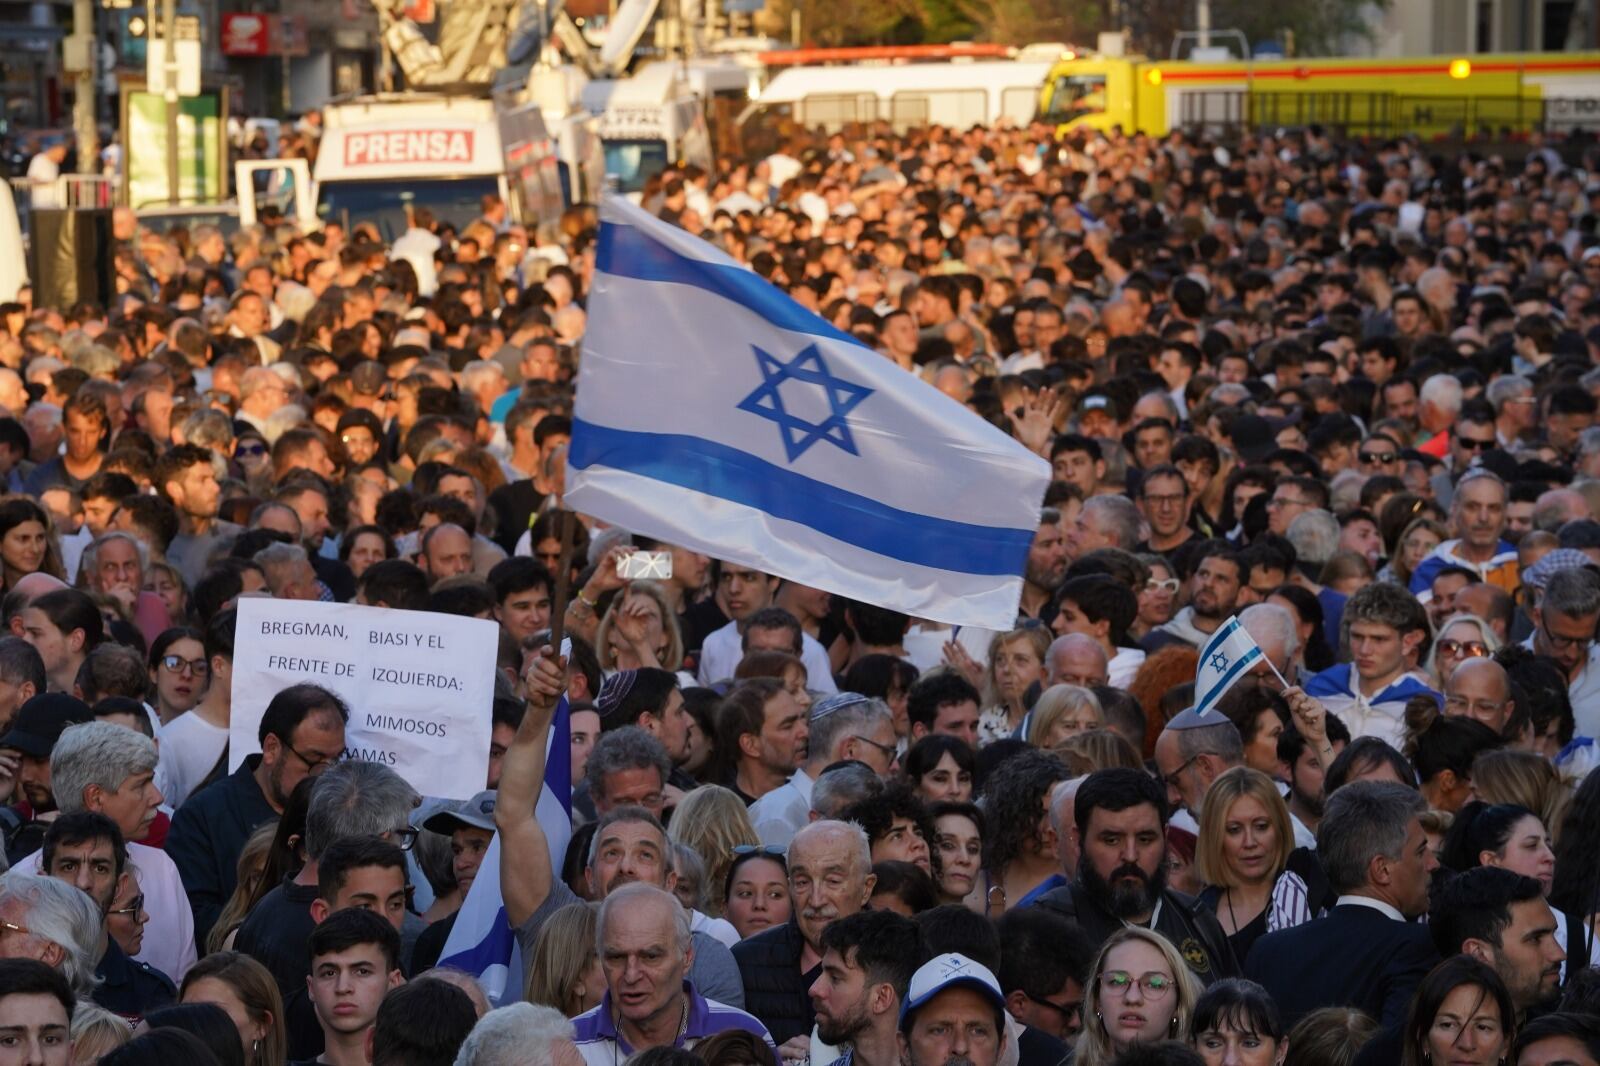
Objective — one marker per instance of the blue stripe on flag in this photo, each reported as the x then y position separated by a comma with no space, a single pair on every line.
718,470
1219,637
1244,663
628,252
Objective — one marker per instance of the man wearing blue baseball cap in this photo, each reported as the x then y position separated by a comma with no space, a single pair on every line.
953,1011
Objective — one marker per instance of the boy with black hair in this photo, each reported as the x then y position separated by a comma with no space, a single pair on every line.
522,590
943,702
421,1023
36,1010
1102,608
364,873
355,961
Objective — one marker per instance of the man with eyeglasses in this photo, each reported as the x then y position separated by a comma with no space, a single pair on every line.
85,850
1480,688
1515,409
1044,961
301,735
845,727
1478,518
1564,621
1165,502
1291,498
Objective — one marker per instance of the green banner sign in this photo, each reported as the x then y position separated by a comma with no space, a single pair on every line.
200,149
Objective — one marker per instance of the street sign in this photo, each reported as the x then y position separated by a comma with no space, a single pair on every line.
186,52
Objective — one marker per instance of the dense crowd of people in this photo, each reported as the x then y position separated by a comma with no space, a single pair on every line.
1345,393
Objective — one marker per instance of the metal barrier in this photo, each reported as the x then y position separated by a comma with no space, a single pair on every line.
73,191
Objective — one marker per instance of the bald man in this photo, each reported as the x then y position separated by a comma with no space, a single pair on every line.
1481,689
1076,659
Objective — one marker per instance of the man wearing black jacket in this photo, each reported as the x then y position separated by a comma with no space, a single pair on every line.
1121,816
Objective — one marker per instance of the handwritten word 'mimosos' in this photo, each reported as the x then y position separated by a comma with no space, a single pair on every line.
416,677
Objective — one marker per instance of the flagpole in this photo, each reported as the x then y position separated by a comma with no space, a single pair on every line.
558,604
1281,679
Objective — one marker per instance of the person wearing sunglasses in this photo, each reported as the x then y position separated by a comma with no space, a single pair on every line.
1478,520
1461,637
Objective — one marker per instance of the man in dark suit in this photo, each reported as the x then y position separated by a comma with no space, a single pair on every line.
1369,952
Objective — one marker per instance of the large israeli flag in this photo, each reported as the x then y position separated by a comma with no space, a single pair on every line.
482,942
1227,656
716,413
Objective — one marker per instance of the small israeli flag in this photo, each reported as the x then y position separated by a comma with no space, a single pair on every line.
716,413
1226,657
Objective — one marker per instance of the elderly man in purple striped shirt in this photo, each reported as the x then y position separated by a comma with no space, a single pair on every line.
645,952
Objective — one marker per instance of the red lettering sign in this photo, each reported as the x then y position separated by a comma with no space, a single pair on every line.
407,146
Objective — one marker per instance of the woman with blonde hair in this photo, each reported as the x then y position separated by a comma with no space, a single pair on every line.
96,1032
640,628
1523,779
1100,749
1139,992
252,862
1243,856
1461,637
1016,660
1063,712
713,821
565,970
1414,544
248,992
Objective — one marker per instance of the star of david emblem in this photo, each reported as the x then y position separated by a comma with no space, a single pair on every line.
809,370
1219,662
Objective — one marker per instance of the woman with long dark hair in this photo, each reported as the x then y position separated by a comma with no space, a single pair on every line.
1461,1014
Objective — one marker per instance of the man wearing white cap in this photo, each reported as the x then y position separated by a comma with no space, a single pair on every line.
953,1011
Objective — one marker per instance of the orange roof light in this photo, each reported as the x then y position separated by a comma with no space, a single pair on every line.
1153,75
1460,69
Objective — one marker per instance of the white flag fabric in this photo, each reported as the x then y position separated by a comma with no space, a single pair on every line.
716,413
1226,657
482,941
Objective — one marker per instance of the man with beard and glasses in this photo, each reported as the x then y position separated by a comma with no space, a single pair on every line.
867,963
1301,767
830,877
1121,815
1213,596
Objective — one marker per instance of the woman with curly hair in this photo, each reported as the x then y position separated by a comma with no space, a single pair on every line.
1019,852
1163,671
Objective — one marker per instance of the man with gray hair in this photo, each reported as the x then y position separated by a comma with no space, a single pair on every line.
1273,629
353,799
1315,537
627,767
53,922
844,726
645,952
521,1034
1191,752
830,876
1076,659
22,677
841,787
1106,521
1368,952
1478,519
1564,629
629,843
110,769
288,571
1515,409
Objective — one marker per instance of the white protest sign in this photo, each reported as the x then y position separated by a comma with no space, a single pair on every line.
420,685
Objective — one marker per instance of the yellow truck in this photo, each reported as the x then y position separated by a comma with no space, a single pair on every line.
1430,96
